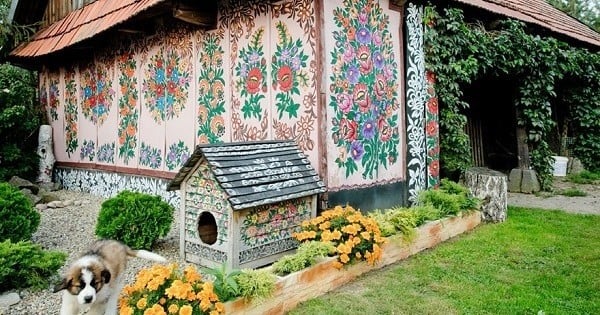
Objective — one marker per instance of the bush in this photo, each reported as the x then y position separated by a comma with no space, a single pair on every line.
255,285
306,255
24,264
134,218
451,198
20,118
18,219
223,281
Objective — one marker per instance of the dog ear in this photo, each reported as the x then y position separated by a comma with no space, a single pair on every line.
105,274
63,284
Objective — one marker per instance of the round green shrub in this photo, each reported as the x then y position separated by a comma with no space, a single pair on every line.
134,218
18,219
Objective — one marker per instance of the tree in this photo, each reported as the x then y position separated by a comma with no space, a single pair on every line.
586,11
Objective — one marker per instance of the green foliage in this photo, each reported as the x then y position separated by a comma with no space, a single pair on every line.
18,219
306,255
572,192
134,218
224,282
447,203
255,284
20,119
459,53
584,177
24,264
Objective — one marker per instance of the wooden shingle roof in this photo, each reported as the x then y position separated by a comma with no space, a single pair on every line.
256,173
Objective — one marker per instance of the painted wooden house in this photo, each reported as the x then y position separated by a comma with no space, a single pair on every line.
241,202
132,87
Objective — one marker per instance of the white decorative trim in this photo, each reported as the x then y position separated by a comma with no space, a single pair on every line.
109,184
416,96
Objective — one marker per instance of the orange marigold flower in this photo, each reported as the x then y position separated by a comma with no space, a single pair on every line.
173,309
185,310
344,258
220,307
126,310
191,274
141,303
324,226
336,235
338,265
326,236
365,235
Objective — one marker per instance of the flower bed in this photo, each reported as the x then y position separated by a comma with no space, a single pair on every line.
326,275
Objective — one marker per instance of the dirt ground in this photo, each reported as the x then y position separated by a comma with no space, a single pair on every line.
589,204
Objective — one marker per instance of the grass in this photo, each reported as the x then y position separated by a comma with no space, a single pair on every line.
584,177
537,262
572,192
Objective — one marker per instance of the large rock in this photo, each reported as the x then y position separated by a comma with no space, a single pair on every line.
491,187
24,184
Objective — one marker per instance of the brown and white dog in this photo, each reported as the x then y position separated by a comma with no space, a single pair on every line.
95,279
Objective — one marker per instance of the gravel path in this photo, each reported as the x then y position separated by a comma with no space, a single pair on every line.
71,230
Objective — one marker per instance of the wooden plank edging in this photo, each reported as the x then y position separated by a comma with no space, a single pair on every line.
323,277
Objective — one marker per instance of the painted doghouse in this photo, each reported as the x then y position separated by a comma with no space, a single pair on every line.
241,202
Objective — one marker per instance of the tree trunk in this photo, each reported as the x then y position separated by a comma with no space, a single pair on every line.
491,187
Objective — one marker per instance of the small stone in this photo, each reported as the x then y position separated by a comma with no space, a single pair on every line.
67,203
77,203
9,298
41,206
56,204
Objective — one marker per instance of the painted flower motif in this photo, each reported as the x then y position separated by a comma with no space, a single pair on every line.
128,111
434,168
106,153
166,85
431,128
254,81
150,157
71,113
97,94
53,101
432,105
177,155
364,89
284,78
88,150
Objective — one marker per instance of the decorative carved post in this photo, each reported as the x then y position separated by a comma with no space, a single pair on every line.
491,187
46,154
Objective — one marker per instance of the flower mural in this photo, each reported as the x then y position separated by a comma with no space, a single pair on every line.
432,133
211,88
166,85
288,66
364,88
106,153
128,111
150,157
178,154
96,94
88,150
53,98
251,71
274,222
71,113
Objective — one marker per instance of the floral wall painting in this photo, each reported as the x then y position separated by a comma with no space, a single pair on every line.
128,107
96,92
211,89
150,156
177,154
432,133
71,112
364,92
251,73
166,85
54,97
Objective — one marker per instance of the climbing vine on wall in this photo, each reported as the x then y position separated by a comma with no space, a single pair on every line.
459,52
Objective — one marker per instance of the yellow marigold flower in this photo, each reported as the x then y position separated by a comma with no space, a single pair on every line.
356,240
155,310
324,226
326,236
220,307
191,274
344,258
213,312
343,249
336,235
338,208
349,229
126,310
317,220
162,301
173,308
185,310
353,218
311,234
141,303
205,305
305,224
366,235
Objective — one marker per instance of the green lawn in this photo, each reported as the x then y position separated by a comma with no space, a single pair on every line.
537,262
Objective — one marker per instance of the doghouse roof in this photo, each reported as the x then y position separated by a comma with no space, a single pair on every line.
256,173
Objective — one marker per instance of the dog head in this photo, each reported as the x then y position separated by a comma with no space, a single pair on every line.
84,280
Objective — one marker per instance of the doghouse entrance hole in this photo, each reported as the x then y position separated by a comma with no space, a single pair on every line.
207,228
